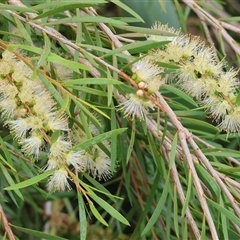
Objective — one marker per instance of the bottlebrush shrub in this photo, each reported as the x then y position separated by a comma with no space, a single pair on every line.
78,99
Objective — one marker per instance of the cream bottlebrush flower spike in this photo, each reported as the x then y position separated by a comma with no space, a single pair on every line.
32,117
172,32
201,76
136,106
95,160
149,78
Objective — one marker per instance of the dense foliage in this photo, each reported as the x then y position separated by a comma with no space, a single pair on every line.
114,131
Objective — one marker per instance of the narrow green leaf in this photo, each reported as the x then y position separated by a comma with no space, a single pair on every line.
82,216
114,139
23,32
181,16
109,95
171,66
10,180
97,214
91,19
188,195
107,207
51,89
213,8
230,19
46,51
181,94
30,181
104,50
65,105
156,156
11,34
175,212
85,124
136,47
203,232
158,208
147,206
237,101
221,152
147,31
65,4
17,8
184,228
14,200
75,66
28,48
224,221
223,210
88,90
98,187
162,4
38,234
127,9
84,81
9,165
87,112
196,124
168,217
97,139
192,113
64,7
173,151
52,57
6,152
132,140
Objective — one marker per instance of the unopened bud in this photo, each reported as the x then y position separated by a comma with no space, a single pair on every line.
141,85
140,93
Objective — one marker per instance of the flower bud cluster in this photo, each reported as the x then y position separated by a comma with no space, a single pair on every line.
36,122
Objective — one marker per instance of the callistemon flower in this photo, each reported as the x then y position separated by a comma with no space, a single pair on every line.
58,123
166,33
149,78
145,69
76,160
51,164
97,163
228,82
19,127
32,144
59,180
7,90
147,75
60,147
136,106
93,160
5,68
9,59
8,107
231,121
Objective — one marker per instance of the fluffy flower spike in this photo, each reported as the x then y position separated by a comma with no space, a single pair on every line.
136,106
59,181
147,74
165,29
